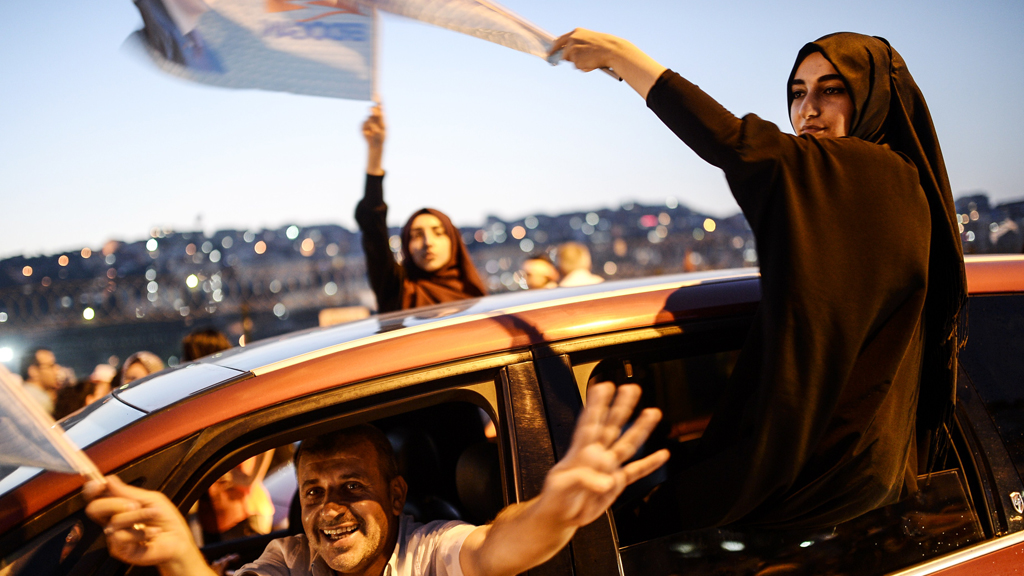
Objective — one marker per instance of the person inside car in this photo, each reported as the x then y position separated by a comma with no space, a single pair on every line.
436,266
846,379
352,498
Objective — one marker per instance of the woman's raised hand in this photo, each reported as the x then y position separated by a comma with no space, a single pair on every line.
590,50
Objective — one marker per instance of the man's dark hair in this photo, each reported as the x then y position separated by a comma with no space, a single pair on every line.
331,442
203,342
29,359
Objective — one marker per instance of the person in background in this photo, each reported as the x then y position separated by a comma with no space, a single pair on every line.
139,365
574,264
540,272
75,395
40,374
100,380
203,342
436,266
237,504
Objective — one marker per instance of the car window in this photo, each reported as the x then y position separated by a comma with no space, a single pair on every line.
447,453
992,361
684,381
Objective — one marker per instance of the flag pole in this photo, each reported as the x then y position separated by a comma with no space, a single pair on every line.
375,95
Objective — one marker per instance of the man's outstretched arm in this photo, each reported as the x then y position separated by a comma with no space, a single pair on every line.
577,490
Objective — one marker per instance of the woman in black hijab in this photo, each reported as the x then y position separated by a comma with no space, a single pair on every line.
850,365
436,266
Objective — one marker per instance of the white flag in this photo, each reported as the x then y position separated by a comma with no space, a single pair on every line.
321,47
30,437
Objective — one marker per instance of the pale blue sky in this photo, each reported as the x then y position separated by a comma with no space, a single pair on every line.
97,144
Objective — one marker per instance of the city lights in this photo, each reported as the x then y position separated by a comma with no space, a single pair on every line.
709,225
518,232
63,260
88,313
152,244
260,247
610,268
330,288
192,281
26,271
6,354
86,253
3,317
307,247
292,232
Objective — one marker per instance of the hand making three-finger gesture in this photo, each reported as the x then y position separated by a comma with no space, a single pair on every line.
594,471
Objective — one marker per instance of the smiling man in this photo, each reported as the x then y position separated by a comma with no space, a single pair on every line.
352,499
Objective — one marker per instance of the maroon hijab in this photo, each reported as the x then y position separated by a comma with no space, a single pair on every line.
457,280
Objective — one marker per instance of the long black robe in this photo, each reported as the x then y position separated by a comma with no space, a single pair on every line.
817,425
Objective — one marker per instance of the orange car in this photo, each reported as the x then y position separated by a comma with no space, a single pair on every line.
480,397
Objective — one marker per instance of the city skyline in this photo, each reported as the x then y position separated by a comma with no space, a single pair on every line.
99,145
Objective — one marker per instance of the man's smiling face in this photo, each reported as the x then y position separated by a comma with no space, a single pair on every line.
349,510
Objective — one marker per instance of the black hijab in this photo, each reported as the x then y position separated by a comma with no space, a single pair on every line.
890,109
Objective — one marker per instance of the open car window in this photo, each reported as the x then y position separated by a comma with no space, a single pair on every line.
447,451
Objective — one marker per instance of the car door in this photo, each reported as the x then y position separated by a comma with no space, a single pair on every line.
682,369
452,404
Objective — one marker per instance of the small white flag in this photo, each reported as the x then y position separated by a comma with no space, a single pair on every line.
30,437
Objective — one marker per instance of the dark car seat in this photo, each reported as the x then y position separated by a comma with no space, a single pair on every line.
478,479
419,462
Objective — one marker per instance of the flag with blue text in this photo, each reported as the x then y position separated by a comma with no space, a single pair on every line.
316,47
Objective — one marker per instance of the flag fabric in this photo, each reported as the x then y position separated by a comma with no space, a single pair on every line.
315,47
479,18
30,437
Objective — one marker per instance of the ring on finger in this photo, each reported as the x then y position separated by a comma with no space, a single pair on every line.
139,526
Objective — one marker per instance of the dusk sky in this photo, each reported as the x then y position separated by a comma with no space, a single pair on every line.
97,144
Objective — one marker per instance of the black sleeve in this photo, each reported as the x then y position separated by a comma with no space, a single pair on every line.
384,273
750,151
696,118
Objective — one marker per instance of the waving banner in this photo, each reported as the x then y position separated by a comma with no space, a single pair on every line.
321,47
479,18
30,437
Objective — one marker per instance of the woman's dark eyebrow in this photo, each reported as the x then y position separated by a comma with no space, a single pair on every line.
825,78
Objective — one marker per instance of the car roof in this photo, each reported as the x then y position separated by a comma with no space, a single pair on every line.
171,404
